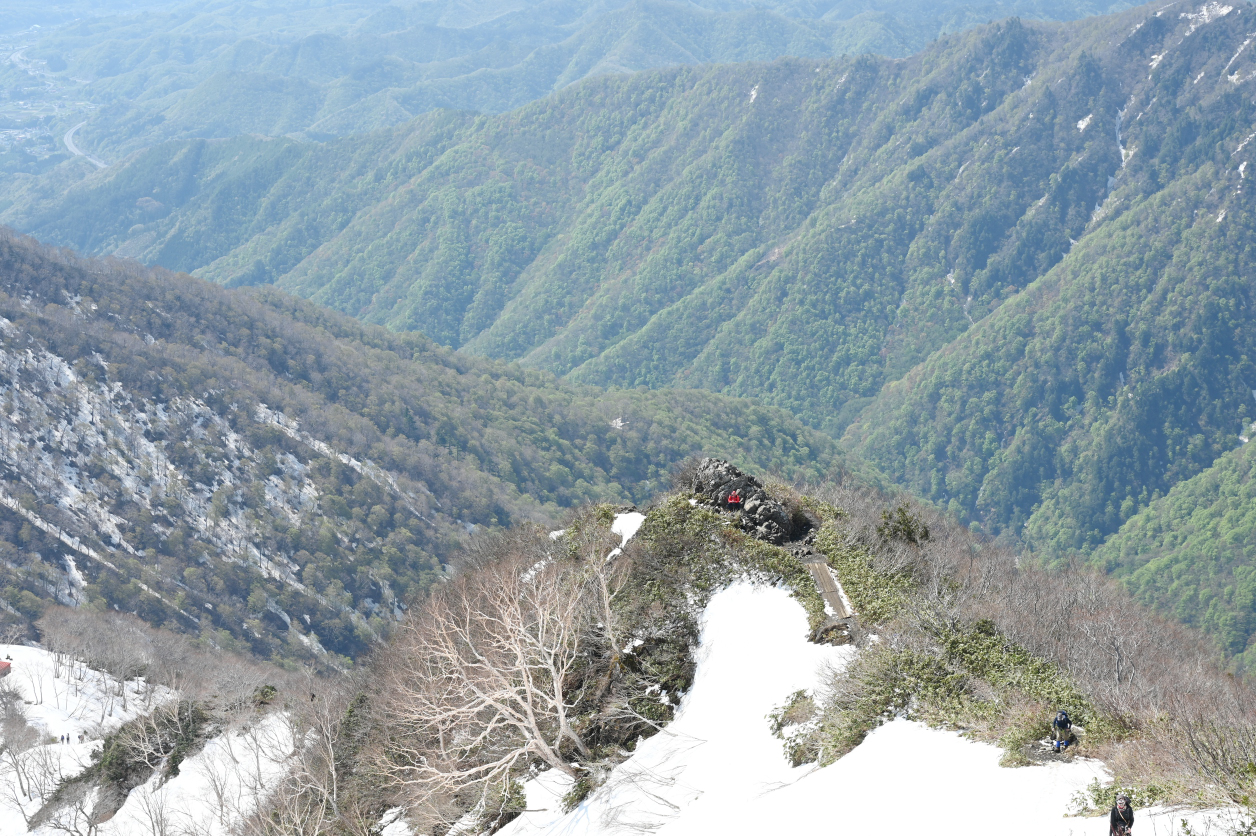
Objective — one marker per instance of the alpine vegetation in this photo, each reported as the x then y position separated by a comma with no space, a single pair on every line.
972,636
113,726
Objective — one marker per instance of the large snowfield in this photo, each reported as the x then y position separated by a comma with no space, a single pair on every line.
717,769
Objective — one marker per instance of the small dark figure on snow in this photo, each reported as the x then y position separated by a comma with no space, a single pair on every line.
1122,818
1062,727
734,501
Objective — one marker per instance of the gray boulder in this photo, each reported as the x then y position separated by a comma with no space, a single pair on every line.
761,516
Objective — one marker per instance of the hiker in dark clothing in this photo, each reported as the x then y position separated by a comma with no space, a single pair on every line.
1122,818
1062,727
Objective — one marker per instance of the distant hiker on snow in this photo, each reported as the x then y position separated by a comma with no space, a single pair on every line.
734,501
1062,726
1122,818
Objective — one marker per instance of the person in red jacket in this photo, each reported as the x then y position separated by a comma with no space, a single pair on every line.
734,501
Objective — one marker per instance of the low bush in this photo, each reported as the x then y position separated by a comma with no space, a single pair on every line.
1098,799
875,596
794,724
977,637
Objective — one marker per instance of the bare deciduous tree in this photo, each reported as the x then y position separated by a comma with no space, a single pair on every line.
487,675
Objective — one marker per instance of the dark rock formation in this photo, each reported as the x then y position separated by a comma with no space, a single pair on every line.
761,516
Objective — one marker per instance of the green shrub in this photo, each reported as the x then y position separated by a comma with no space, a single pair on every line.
1097,799
502,805
901,524
581,789
876,596
794,723
695,551
935,680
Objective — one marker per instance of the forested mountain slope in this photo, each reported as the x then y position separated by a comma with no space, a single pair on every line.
1189,552
1127,367
802,231
267,474
328,67
781,231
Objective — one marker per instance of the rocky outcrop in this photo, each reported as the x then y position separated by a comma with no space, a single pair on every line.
763,517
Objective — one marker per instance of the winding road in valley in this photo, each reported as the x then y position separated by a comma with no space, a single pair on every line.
74,149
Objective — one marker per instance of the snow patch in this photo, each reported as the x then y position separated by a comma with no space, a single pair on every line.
393,823
215,789
1205,15
1120,117
626,525
64,699
1236,55
64,696
717,769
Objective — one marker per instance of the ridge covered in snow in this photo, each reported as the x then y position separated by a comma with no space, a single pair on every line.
718,769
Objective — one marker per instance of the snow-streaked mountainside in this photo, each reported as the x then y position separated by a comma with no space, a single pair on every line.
717,769
246,469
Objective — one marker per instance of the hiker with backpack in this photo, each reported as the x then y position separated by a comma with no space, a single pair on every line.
1122,818
1062,727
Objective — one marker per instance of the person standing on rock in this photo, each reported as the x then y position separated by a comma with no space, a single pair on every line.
1122,818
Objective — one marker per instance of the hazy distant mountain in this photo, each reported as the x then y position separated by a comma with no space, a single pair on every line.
319,68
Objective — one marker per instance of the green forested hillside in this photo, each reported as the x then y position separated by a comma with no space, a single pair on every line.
1126,368
1189,553
251,468
799,232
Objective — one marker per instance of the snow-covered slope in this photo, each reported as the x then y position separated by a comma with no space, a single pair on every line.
61,698
64,696
215,788
717,769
